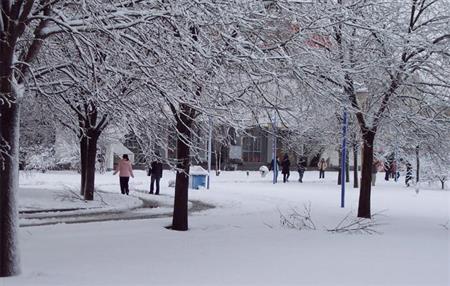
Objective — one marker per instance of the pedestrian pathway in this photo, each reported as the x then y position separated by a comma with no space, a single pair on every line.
147,210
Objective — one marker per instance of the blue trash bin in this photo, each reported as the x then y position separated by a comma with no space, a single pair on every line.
198,181
197,177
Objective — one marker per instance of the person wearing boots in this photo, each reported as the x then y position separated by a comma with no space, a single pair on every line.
285,165
125,172
301,170
155,172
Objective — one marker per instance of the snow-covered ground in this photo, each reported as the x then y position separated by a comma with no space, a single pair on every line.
241,240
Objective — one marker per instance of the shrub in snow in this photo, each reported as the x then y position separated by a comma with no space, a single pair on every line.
435,169
40,158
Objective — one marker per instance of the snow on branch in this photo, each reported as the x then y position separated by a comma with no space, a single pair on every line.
353,225
297,220
302,220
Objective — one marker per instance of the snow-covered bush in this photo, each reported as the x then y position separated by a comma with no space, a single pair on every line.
435,170
40,158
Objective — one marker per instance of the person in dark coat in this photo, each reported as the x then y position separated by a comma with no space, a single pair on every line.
285,165
272,166
155,171
387,170
388,167
301,170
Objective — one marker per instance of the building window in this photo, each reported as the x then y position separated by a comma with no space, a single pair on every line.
251,149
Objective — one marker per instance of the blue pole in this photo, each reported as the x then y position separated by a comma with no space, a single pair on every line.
343,159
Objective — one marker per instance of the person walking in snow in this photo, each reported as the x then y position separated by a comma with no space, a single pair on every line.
272,166
125,172
395,171
322,165
388,166
375,165
285,166
155,171
300,170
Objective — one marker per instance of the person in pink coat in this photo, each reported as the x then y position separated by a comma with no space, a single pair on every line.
125,172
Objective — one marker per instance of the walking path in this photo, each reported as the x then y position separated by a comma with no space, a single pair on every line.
147,209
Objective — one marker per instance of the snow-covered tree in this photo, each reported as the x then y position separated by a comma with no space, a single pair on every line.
385,48
25,25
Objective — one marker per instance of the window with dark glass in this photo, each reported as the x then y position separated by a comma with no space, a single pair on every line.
251,149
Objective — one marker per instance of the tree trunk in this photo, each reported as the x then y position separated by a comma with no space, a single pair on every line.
417,165
9,185
83,156
216,155
355,166
366,175
180,209
340,168
347,167
442,183
91,157
220,160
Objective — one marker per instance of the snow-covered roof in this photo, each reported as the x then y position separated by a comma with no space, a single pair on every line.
197,170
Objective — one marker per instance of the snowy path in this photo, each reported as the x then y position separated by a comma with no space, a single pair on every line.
146,210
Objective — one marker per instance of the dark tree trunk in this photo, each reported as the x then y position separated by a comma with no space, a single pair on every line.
366,175
217,156
417,164
347,167
12,17
9,160
88,133
355,166
442,183
9,185
83,156
83,145
340,168
180,209
91,158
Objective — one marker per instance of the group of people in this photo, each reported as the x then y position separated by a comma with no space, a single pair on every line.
155,171
391,170
125,170
285,165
